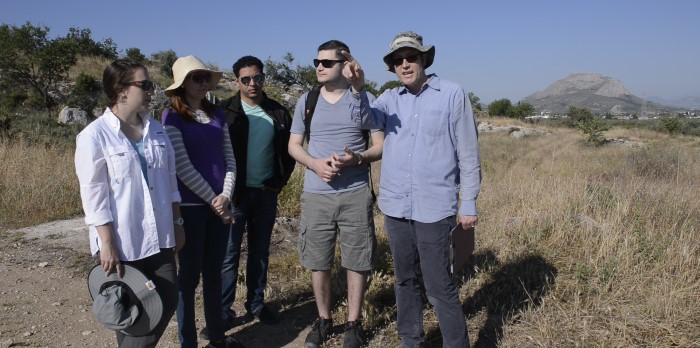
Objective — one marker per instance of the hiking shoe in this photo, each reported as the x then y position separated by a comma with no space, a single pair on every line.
228,342
266,316
353,335
204,333
319,333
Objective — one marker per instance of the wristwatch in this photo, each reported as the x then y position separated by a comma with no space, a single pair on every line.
361,159
179,221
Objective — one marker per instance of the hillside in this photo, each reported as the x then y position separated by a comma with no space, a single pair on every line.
601,94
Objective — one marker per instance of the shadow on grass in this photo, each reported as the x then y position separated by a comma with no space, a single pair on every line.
514,287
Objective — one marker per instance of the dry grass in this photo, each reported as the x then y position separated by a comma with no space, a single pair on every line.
577,245
614,236
92,66
37,183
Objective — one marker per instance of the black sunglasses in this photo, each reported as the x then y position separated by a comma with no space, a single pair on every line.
146,85
258,79
327,63
411,58
200,78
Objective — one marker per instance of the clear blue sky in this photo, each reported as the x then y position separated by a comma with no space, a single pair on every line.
494,48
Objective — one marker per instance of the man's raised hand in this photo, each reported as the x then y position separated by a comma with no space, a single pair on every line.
353,72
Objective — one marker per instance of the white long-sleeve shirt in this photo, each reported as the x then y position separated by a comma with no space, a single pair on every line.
113,187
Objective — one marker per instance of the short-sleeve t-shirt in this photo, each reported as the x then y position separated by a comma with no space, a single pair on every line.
332,129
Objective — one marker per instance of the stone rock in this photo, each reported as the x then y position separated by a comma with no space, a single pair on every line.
159,100
588,223
72,116
97,111
623,142
289,99
513,131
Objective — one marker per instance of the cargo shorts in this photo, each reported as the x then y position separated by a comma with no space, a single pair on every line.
347,216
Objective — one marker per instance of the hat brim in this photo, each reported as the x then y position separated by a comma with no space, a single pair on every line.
215,78
151,303
429,52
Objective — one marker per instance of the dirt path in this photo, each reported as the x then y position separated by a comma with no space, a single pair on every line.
45,302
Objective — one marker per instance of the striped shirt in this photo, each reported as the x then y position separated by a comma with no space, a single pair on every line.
204,158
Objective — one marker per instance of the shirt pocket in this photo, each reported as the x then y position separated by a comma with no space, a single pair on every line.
434,122
160,153
119,157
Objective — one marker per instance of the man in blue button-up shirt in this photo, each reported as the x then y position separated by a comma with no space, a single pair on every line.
430,179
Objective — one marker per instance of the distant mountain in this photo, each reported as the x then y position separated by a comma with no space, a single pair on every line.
599,93
685,102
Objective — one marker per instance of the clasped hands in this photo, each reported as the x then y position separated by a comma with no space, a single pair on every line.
220,206
330,167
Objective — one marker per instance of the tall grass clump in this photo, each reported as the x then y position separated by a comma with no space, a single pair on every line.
37,183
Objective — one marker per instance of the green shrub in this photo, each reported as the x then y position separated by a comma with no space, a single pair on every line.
594,128
164,61
85,84
500,107
135,54
672,125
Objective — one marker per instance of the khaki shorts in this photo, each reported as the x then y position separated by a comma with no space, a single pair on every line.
347,215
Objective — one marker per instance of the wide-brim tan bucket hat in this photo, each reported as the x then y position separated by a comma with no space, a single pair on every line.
411,40
186,65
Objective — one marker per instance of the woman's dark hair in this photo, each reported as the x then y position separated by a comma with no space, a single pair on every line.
245,62
334,45
116,77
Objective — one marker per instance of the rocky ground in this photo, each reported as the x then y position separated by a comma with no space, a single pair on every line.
45,301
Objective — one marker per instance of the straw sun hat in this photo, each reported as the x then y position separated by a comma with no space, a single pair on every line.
186,65
411,40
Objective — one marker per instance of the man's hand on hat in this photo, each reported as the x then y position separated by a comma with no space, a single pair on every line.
353,72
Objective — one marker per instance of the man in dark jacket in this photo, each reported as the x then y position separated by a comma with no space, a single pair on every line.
259,129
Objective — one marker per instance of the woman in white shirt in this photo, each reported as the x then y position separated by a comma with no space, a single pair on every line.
126,168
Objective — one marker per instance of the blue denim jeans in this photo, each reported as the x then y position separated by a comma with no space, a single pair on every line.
415,244
205,245
256,214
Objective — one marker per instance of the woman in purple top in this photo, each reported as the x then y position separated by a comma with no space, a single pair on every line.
206,171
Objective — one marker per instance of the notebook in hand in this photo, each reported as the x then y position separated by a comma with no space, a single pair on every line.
461,247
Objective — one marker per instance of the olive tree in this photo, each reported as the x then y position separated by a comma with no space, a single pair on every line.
30,59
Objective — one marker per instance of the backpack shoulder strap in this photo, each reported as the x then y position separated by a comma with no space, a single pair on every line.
309,107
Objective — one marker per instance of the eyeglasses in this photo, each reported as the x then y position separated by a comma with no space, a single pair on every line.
412,58
146,85
258,79
327,63
200,78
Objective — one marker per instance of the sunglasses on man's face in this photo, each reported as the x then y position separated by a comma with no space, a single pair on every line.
200,78
327,63
258,79
411,58
146,85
